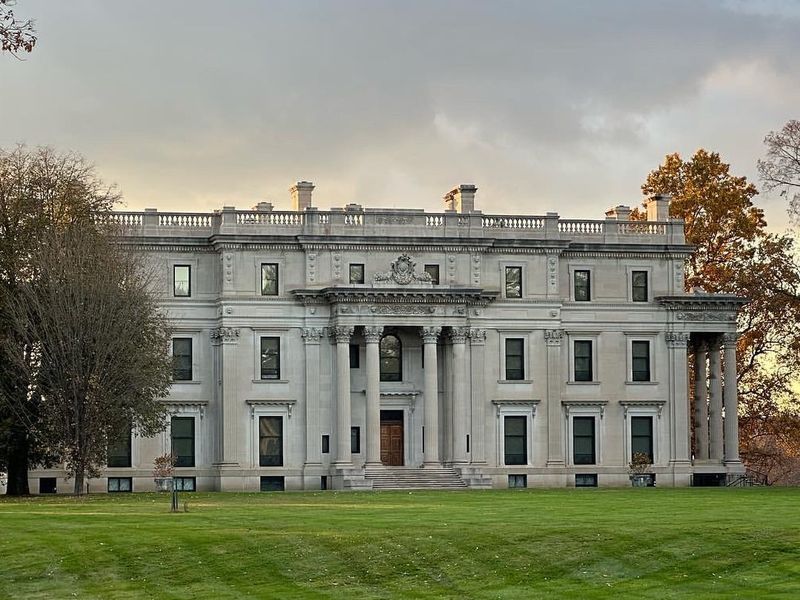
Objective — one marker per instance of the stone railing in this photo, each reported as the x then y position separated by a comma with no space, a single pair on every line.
394,223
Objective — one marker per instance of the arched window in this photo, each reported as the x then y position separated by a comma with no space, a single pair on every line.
391,358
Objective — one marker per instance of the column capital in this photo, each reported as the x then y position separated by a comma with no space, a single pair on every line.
458,335
730,339
700,346
677,339
224,335
372,334
553,337
477,336
430,334
311,335
341,334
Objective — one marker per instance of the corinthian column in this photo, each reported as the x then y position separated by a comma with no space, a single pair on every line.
343,417
678,403
461,404
700,401
429,337
731,401
715,402
311,337
372,335
555,423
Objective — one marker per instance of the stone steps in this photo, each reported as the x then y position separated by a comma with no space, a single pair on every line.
404,478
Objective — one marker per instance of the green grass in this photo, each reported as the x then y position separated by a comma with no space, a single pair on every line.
642,543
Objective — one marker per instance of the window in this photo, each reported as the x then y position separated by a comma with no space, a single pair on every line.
185,484
182,280
640,359
326,444
355,357
182,359
120,484
582,285
515,359
513,282
391,351
47,485
583,360
183,441
355,440
639,286
583,441
269,279
119,450
433,271
356,273
515,440
270,441
642,436
586,480
517,481
270,358
272,483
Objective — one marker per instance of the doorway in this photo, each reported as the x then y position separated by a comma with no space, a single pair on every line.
392,437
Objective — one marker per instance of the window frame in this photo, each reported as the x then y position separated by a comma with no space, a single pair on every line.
574,358
355,439
522,277
633,436
183,338
651,410
632,294
128,456
630,339
175,267
517,477
641,375
521,343
433,266
594,437
525,439
261,340
118,481
281,437
574,270
382,378
277,266
524,335
350,273
183,480
272,479
193,438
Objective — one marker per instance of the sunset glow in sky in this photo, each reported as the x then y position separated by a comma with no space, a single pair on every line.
558,106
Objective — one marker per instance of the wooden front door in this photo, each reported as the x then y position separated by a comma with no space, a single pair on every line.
392,438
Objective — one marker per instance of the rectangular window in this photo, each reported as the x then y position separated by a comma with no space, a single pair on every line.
583,441
355,440
119,450
120,484
515,359
356,273
182,429
513,282
582,286
326,444
586,480
642,436
583,360
185,484
272,483
269,279
182,359
517,481
270,358
640,358
516,452
433,271
182,280
355,357
639,286
270,441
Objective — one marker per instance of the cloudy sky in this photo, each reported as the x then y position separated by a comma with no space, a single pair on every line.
545,106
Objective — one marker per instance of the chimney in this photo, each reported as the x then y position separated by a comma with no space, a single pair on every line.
619,213
301,195
658,207
461,199
263,207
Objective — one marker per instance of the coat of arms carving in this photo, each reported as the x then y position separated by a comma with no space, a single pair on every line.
403,271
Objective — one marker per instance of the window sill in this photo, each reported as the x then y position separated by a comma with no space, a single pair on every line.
641,383
270,381
512,381
583,383
186,382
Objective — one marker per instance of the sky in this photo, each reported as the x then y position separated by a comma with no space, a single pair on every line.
189,105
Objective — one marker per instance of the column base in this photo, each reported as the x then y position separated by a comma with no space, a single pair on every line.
432,464
373,464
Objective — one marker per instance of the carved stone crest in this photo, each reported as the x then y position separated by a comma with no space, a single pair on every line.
403,271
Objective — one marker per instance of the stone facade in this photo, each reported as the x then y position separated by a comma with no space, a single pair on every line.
317,346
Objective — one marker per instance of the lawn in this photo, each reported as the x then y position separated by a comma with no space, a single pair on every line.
642,543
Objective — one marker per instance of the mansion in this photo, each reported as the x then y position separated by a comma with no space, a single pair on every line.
361,348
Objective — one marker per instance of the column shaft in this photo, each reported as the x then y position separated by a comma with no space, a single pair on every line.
478,393
373,336
731,402
461,405
679,403
343,416
715,403
429,338
555,420
312,336
700,403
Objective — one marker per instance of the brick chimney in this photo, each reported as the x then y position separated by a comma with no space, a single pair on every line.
301,195
658,207
461,199
619,213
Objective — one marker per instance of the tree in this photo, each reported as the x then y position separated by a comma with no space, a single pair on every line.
736,255
15,35
89,338
780,170
41,191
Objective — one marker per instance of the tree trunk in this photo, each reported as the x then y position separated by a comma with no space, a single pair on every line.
18,447
80,472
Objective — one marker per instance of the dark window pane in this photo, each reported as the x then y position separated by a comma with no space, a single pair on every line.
639,286
119,450
586,480
583,442
641,360
269,279
642,436
182,280
513,282
326,444
517,481
182,429
356,273
120,484
355,440
270,441
391,351
433,271
355,357
515,359
185,484
515,440
270,358
582,286
583,360
271,483
182,359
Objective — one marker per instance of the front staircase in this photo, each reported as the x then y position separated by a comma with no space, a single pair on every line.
408,478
